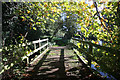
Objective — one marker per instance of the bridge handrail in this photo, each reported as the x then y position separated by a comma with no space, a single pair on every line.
35,49
109,49
34,42
89,53
6,67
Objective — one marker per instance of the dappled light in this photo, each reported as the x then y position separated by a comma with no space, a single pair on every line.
71,40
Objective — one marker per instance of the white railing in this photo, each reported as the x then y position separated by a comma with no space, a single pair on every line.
6,67
36,49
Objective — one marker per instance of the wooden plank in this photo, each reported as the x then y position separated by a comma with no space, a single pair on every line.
24,57
81,57
109,49
90,52
39,44
37,41
34,42
6,67
43,40
37,49
39,56
82,50
34,46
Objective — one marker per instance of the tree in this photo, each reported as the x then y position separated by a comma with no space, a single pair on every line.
22,21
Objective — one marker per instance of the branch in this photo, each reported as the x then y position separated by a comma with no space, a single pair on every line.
95,4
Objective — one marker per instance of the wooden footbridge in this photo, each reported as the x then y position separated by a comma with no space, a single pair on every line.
57,63
60,63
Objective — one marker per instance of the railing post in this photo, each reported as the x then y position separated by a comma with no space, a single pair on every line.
39,44
90,52
34,46
27,60
47,42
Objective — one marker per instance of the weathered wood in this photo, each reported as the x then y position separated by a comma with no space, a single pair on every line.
40,47
37,49
34,42
39,56
34,46
39,44
109,49
82,50
81,57
37,41
47,42
90,52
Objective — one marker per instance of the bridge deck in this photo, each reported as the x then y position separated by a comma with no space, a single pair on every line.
59,63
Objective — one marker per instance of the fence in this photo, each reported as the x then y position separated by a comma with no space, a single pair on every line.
109,61
91,46
26,57
36,49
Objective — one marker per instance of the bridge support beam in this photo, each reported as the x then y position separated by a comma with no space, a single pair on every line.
90,52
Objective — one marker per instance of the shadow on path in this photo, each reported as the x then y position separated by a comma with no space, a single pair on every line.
61,65
62,73
35,70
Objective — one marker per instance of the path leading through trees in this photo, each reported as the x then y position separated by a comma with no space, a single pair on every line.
59,63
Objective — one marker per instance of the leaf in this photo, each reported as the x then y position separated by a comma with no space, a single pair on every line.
34,28
114,55
92,6
107,54
28,16
22,17
28,11
78,44
52,20
48,14
83,29
44,21
31,20
67,16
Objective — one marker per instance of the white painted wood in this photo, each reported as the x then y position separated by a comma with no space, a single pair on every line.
24,57
37,41
37,49
27,60
40,47
34,46
39,44
27,56
34,42
39,56
47,42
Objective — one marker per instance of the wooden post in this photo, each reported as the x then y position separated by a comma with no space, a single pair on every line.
90,52
39,45
47,42
34,46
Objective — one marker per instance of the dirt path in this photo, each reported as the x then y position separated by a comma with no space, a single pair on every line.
60,63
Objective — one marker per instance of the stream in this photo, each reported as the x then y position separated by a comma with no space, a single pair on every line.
109,77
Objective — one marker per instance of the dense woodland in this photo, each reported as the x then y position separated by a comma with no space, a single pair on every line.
23,22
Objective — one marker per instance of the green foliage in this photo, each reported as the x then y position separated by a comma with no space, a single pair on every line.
32,20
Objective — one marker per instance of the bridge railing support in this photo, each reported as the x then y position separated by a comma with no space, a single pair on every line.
89,53
35,48
82,51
